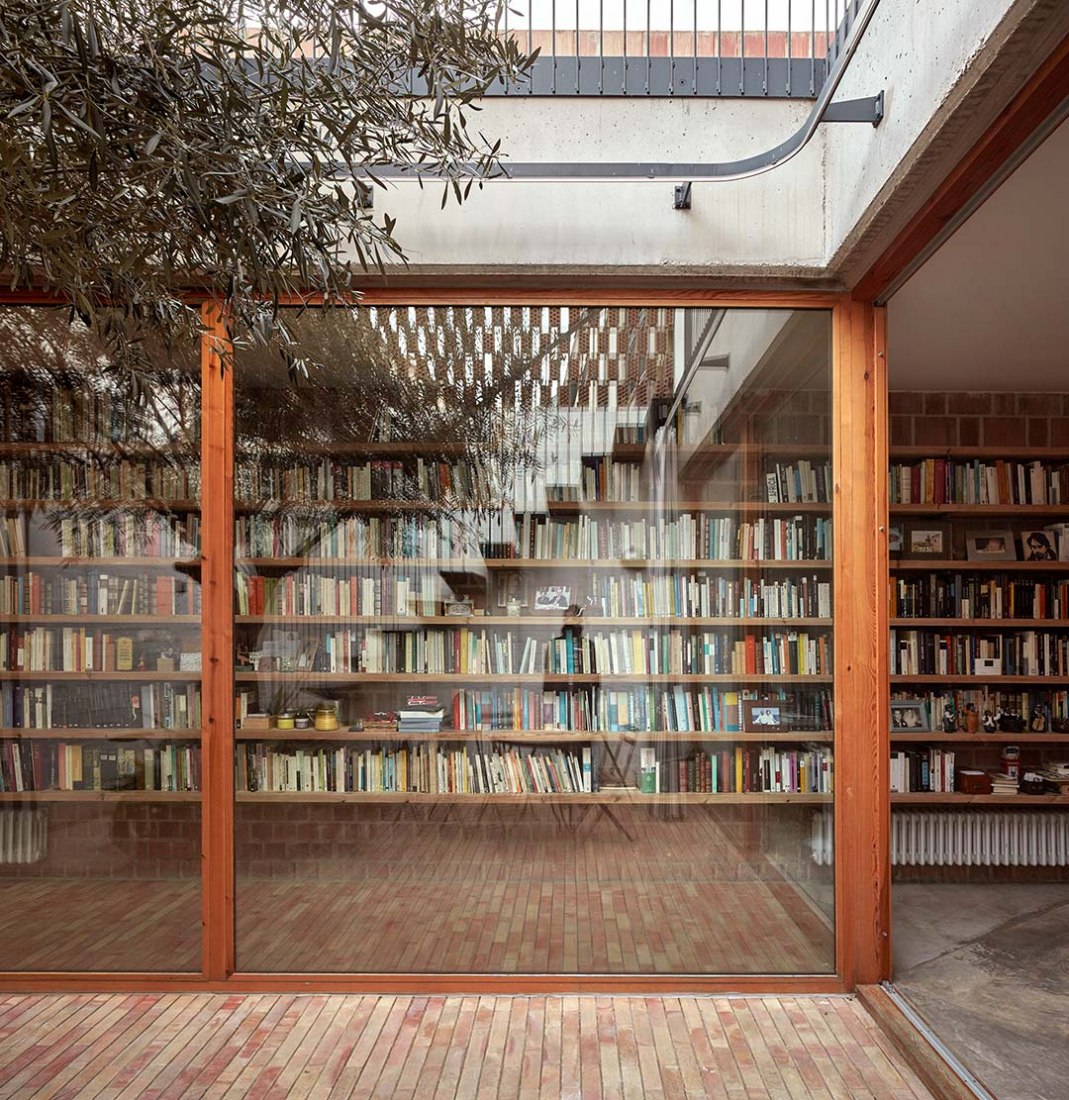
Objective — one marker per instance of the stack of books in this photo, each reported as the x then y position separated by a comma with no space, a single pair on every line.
1003,784
383,721
421,714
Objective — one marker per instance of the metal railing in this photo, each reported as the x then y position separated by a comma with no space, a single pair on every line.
750,48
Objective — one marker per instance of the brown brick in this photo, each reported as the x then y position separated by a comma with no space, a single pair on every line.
1034,404
969,431
1004,431
901,431
1059,433
905,401
1038,431
969,403
935,403
935,429
1002,403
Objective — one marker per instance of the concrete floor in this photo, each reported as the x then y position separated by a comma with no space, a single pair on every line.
988,967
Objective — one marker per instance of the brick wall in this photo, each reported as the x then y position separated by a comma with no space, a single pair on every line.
979,419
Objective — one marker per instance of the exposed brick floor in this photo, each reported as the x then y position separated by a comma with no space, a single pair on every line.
154,1046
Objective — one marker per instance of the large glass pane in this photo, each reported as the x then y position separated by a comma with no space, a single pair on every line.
99,653
533,625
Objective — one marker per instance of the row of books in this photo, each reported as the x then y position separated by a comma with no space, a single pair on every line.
81,766
922,770
111,535
740,769
961,481
361,590
801,482
101,706
1022,653
94,478
418,768
686,535
968,596
94,592
1034,711
84,649
672,709
654,651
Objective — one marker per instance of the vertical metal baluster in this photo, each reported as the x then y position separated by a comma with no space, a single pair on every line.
601,46
813,49
790,32
576,47
530,40
719,43
671,47
742,48
694,87
506,85
553,35
648,44
624,77
764,86
827,33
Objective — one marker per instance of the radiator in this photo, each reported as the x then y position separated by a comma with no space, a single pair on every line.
963,838
23,836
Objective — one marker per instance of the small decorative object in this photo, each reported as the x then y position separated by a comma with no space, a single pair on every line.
459,609
326,716
124,654
265,664
513,608
1059,725
896,538
302,720
987,666
909,715
1059,533
990,546
950,719
927,540
1011,761
256,721
1038,722
1038,546
989,722
189,662
286,720
511,585
164,664
553,597
1011,722
972,781
1032,783
972,718
760,715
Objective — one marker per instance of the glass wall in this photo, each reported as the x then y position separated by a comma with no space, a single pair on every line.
99,653
534,643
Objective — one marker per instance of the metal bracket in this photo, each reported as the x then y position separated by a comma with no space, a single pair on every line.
869,110
682,197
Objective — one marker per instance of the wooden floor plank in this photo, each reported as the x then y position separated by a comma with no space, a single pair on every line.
268,1047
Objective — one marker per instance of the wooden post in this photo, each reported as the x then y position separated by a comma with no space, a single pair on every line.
217,649
862,801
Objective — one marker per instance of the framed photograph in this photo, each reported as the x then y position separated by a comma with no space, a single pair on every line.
896,537
991,546
553,597
927,539
759,715
1039,546
1059,533
909,715
459,609
511,588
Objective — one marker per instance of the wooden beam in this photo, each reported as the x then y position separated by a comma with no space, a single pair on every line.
1026,112
861,762
217,572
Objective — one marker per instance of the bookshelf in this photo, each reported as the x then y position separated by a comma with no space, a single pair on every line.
979,644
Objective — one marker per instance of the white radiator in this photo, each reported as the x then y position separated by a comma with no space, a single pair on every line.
963,838
23,836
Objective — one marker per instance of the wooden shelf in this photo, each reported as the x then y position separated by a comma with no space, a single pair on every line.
1051,454
97,734
94,620
980,510
984,624
620,797
540,737
138,448
943,565
100,504
546,621
972,678
59,562
925,798
586,564
1023,738
357,678
99,796
577,507
141,675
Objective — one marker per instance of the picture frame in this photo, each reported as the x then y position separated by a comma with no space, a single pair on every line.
1060,534
1039,545
896,539
763,715
927,539
552,598
512,588
459,609
909,716
990,546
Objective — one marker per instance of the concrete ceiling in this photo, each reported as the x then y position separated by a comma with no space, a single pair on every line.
990,309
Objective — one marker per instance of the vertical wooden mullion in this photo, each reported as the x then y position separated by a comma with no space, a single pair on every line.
862,803
217,552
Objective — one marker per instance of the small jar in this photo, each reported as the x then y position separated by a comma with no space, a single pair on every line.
1011,761
326,717
302,720
286,720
